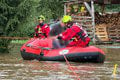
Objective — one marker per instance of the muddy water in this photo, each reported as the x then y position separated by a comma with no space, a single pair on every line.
12,67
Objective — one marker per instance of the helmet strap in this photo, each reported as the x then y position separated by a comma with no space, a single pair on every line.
41,24
69,24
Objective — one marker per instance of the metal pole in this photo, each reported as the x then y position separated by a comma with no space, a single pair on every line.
88,7
93,20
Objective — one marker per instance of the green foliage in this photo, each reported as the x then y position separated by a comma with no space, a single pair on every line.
13,13
51,8
44,7
18,17
112,8
19,41
108,8
26,28
4,45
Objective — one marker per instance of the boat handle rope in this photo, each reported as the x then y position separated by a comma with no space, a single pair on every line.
38,47
67,62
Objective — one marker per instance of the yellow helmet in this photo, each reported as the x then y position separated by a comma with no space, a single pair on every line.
66,18
41,17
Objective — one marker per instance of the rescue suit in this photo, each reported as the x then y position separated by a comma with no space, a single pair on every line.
76,35
42,31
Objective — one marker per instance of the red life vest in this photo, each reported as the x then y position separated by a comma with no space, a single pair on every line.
42,31
77,34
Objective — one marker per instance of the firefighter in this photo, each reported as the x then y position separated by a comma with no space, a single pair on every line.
41,30
74,34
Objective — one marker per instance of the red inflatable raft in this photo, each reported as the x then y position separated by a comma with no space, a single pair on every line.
41,49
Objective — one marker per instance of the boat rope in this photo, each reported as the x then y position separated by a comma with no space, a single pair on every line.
38,47
71,67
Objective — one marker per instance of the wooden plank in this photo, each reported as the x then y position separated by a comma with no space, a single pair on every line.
73,1
113,32
86,17
101,32
84,21
103,38
88,25
89,29
90,32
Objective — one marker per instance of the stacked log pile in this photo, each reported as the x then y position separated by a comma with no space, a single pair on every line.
111,22
107,25
114,32
113,19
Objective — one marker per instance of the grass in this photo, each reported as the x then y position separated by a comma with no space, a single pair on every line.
19,41
91,43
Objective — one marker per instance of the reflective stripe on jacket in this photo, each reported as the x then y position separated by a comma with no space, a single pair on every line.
42,31
76,33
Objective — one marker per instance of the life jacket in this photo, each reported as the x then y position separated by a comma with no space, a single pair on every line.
81,35
42,30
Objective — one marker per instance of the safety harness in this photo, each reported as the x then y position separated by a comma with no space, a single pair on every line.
82,34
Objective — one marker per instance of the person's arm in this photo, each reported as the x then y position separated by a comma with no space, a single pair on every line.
47,30
67,35
36,31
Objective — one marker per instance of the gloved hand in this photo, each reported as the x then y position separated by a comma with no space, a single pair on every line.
36,35
59,36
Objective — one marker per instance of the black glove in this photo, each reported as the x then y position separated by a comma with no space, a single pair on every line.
59,37
36,34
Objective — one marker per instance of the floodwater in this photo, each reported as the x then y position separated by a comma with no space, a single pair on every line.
13,67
